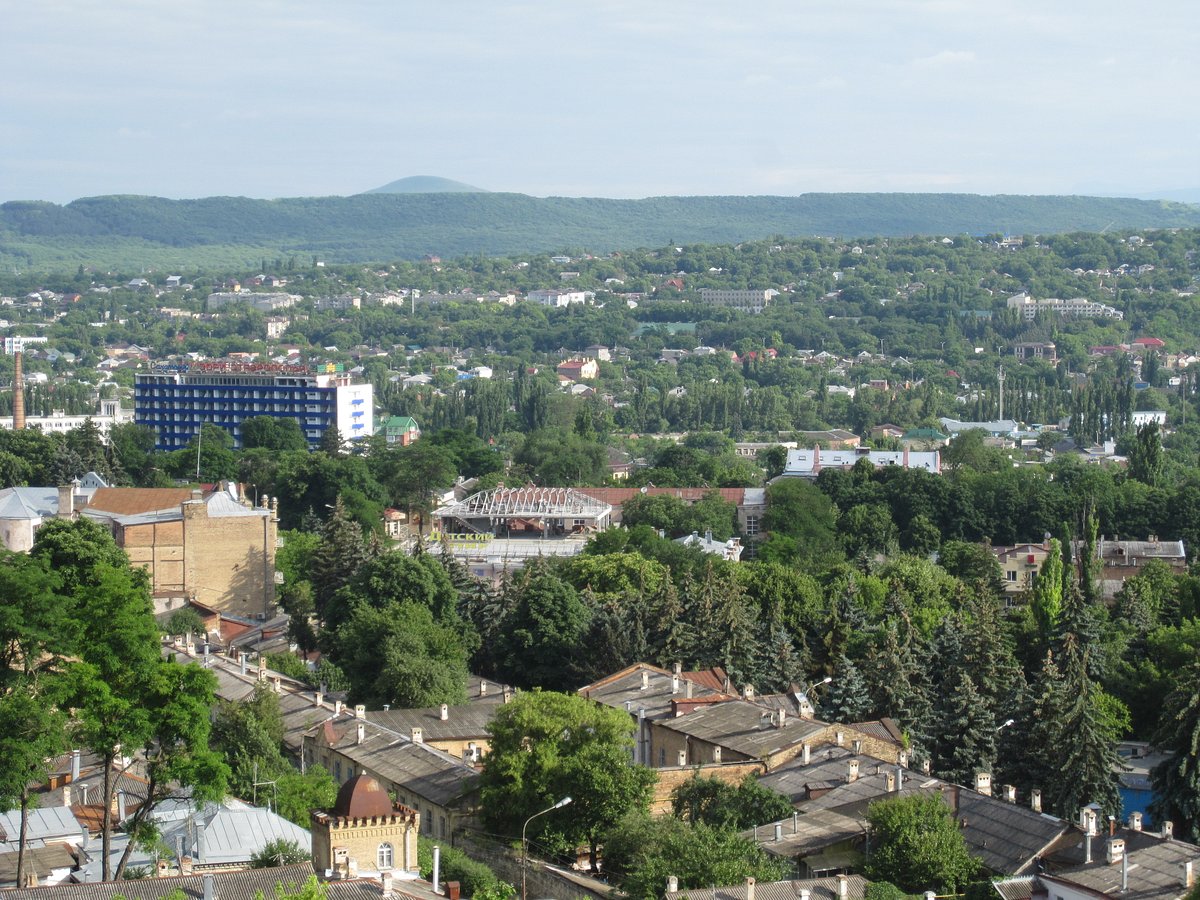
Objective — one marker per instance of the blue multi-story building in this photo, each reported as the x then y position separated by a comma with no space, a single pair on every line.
175,400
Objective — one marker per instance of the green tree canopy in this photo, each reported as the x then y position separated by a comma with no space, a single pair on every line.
546,746
916,845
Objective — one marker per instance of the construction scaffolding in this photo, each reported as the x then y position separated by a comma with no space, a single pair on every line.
533,511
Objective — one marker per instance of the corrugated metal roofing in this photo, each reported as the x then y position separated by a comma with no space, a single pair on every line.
818,888
134,501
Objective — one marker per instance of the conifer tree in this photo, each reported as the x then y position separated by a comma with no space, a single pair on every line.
967,734
337,558
847,698
1176,780
898,685
1085,752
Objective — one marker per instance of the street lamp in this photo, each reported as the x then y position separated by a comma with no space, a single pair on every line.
806,694
525,843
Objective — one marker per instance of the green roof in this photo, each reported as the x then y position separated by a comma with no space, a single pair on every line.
397,423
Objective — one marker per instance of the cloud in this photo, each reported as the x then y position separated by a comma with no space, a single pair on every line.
943,59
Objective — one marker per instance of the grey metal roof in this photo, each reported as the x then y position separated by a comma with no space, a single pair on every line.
1155,865
461,722
1005,837
52,823
225,834
818,888
624,690
743,727
243,885
24,503
412,766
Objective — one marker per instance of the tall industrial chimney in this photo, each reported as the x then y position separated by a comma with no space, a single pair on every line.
18,392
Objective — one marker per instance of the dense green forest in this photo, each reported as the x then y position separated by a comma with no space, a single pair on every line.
108,232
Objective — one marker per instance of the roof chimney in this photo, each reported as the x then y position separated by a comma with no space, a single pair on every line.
983,783
210,890
362,732
675,684
1010,793
1168,830
1115,851
805,754
750,887
445,712
645,680
66,792
1189,875
843,886
687,688
1087,819
672,885
677,668
318,698
337,707
66,501
75,765
778,831
781,721
889,781
418,736
852,771
1035,800
360,711
748,692
1135,821
482,687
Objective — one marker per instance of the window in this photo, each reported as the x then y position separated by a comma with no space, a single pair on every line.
662,757
1010,575
385,857
751,525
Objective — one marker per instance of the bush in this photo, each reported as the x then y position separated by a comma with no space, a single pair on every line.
279,852
475,879
884,890
289,665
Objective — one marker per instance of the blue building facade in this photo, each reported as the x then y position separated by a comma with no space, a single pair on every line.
177,400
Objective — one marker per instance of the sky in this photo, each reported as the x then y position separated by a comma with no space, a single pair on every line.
598,98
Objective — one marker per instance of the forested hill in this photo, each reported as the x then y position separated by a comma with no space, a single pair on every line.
109,231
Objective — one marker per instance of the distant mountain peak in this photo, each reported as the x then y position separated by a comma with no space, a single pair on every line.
426,184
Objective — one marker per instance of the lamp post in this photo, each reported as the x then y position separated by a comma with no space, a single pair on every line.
525,843
805,697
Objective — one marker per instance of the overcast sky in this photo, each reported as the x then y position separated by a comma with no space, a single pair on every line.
607,98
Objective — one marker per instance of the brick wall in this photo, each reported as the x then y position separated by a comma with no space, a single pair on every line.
671,777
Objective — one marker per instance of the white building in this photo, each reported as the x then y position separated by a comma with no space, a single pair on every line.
558,299
748,301
808,463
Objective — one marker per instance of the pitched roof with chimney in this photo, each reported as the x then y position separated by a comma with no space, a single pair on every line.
413,765
1156,865
818,889
1006,837
646,687
243,885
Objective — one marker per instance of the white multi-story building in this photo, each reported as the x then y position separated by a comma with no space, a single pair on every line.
1080,307
558,298
741,300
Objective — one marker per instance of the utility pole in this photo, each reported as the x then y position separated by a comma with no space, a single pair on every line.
1000,377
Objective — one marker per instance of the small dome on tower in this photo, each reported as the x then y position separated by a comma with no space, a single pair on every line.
361,798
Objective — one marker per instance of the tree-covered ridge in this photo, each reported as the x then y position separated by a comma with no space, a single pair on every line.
406,226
